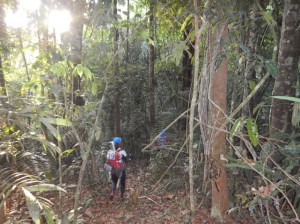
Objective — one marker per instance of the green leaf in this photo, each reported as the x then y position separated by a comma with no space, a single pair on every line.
45,187
268,17
51,128
58,121
272,68
70,63
289,98
179,47
88,74
257,167
186,21
67,152
33,205
252,131
49,214
94,88
243,47
252,85
257,107
59,69
83,154
236,126
47,143
79,69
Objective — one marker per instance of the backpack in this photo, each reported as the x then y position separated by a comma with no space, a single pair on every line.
113,166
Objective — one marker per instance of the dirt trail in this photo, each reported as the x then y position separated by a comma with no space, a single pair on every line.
141,204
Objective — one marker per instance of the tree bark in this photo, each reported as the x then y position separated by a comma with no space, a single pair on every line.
2,80
76,31
187,68
212,109
2,37
288,59
193,105
220,200
117,130
250,63
151,70
203,105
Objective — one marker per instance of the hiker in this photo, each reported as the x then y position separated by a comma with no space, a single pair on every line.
118,172
163,140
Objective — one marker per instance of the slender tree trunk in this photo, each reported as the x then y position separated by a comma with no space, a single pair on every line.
288,60
250,63
151,70
127,35
218,92
23,54
2,80
116,74
76,32
203,105
187,68
193,105
2,36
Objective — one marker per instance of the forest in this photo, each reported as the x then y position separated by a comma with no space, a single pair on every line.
204,94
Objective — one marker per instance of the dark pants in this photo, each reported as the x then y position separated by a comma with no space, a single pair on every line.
115,178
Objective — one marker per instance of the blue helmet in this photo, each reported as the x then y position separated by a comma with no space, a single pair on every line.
117,140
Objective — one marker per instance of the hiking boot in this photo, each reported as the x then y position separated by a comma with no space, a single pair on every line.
111,196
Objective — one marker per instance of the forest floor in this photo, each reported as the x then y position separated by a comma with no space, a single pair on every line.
141,205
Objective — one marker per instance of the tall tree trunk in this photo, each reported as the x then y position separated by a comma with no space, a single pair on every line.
203,105
212,111
2,37
76,31
2,88
193,106
151,69
288,60
127,35
2,80
23,53
250,63
116,73
218,96
187,68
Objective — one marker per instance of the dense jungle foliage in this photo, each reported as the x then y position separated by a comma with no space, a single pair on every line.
219,78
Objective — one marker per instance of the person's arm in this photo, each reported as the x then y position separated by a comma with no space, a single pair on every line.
124,156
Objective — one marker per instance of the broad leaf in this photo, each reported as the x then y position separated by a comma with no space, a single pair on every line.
47,143
88,74
252,131
236,126
52,129
186,21
272,68
49,214
33,205
58,121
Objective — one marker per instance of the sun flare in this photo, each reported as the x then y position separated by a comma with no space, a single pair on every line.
58,20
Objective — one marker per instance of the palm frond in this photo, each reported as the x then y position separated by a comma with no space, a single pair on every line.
26,185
